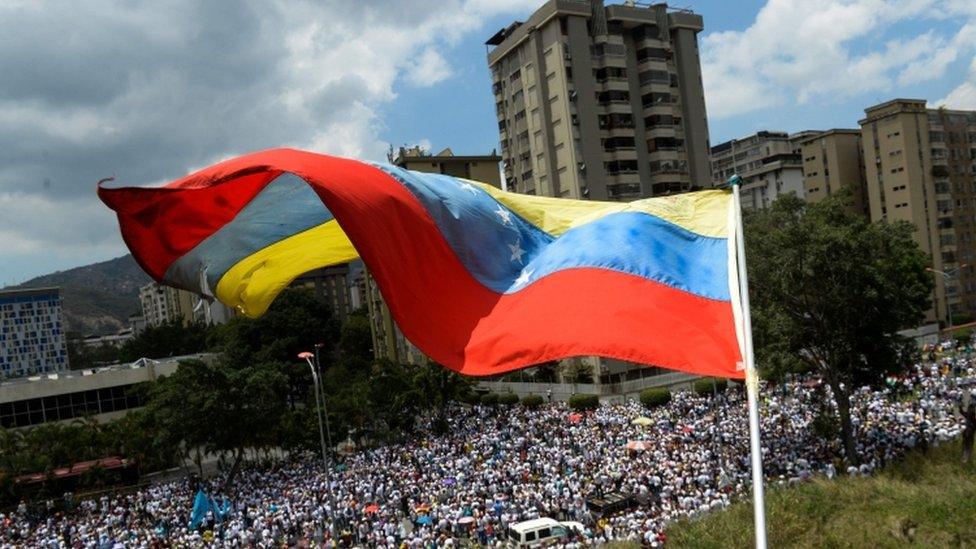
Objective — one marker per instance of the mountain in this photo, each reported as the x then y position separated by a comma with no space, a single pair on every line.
97,298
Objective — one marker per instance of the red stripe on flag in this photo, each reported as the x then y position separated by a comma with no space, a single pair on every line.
436,302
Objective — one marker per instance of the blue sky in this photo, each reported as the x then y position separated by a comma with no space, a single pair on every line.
148,92
465,117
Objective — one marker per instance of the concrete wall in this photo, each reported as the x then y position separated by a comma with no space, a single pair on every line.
614,392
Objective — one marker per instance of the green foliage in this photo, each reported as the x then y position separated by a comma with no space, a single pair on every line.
489,399
532,401
655,397
706,386
584,401
829,291
508,399
296,321
169,339
577,371
927,500
355,337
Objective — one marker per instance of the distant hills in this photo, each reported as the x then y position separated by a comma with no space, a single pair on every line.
98,298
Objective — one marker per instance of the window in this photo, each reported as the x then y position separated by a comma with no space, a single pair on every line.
613,96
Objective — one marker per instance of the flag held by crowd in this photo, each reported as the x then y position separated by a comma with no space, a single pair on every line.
481,280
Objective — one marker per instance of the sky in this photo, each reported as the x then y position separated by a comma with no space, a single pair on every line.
148,91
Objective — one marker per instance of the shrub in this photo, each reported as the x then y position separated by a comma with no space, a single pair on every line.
584,401
532,401
703,387
489,399
508,398
655,397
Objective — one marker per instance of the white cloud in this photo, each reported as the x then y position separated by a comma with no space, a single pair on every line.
427,69
148,92
962,96
798,51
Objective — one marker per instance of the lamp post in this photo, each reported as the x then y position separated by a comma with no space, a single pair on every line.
307,356
948,275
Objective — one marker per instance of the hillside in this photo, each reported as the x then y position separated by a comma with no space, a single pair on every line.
927,500
98,298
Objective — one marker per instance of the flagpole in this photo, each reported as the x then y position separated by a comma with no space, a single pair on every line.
752,376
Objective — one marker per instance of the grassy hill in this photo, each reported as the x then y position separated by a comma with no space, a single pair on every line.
925,501
98,298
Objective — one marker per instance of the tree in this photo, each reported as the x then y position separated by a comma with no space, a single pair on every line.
829,292
171,338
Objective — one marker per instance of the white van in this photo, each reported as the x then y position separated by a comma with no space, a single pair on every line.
542,531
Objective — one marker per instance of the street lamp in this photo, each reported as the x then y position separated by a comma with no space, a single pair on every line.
948,275
307,356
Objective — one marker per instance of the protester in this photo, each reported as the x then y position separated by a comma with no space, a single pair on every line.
497,467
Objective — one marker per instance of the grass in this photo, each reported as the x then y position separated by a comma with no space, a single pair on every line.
925,501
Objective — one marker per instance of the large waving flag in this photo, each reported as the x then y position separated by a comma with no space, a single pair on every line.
481,280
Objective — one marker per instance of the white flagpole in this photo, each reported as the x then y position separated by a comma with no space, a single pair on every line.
752,376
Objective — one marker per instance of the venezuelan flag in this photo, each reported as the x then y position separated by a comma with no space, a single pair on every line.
481,280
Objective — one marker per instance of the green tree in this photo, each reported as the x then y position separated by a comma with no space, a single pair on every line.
829,291
171,338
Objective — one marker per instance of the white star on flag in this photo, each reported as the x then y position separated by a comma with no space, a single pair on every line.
523,278
505,215
517,251
469,187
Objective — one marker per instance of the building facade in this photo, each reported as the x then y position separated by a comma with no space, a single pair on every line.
768,163
601,102
921,168
32,338
388,341
162,304
477,168
331,284
834,160
103,394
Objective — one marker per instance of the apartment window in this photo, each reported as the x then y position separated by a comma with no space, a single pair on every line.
647,77
615,167
610,73
615,120
613,96
660,120
520,115
659,54
656,98
617,143
515,75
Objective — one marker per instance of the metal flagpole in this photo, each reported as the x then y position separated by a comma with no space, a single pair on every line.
752,376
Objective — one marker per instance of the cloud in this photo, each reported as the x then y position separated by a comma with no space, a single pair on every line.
798,51
147,92
962,96
427,69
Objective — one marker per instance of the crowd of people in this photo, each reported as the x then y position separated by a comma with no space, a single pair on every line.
497,466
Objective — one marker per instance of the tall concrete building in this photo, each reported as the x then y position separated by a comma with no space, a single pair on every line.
921,167
483,168
162,304
388,341
601,102
330,284
768,163
32,339
833,160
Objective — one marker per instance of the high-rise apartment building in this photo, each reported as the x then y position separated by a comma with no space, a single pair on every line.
483,168
601,102
768,163
32,338
162,304
833,160
331,285
921,167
